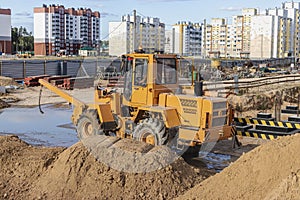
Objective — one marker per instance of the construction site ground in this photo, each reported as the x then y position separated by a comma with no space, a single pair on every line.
259,169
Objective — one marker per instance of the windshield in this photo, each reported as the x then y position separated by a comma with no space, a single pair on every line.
166,71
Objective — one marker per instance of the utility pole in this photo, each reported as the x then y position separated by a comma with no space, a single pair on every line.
134,31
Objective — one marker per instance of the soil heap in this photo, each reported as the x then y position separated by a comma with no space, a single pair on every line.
5,81
270,171
20,165
73,173
3,104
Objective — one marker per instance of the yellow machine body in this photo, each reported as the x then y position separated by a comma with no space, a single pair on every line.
151,95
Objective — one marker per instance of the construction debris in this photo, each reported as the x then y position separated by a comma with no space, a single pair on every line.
78,82
63,81
33,80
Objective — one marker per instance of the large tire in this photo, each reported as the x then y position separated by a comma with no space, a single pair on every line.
88,124
151,131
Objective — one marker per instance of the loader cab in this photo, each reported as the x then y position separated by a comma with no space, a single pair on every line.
147,76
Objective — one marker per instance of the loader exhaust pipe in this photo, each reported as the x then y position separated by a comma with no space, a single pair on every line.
198,88
198,84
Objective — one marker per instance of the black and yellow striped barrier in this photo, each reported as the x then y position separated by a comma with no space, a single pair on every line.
267,122
257,135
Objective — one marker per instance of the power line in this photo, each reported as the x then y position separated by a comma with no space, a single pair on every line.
119,26
112,31
141,14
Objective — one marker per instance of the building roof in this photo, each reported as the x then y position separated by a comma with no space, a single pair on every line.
87,48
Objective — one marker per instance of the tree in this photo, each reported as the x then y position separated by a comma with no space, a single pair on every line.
21,39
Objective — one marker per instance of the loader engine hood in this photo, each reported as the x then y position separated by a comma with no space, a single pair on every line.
202,112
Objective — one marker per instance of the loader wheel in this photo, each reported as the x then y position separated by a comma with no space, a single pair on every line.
88,124
151,131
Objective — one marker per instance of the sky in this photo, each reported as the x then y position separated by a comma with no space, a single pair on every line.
169,11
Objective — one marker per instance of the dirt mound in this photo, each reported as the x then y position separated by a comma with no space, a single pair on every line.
264,98
20,165
5,81
29,172
3,104
77,175
270,171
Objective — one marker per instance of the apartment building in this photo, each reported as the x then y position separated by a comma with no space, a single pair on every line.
169,41
135,31
274,34
186,39
270,37
5,31
221,39
215,38
293,12
239,34
60,29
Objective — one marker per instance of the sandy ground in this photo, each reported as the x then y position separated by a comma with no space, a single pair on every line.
270,171
29,172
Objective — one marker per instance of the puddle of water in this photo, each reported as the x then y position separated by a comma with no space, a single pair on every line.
215,161
53,128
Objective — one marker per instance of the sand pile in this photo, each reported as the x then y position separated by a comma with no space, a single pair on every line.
271,171
20,165
77,175
54,173
3,104
5,81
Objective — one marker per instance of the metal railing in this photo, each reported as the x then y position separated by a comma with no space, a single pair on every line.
228,86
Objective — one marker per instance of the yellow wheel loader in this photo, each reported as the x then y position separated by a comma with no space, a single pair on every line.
152,106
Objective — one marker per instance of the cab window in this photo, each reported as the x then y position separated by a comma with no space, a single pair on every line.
140,73
166,71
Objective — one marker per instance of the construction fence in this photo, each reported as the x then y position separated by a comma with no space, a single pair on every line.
20,69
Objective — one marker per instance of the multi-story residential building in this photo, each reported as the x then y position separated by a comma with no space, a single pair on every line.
186,38
293,12
228,40
216,38
284,31
5,31
57,29
239,46
270,36
152,34
251,35
169,41
134,32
